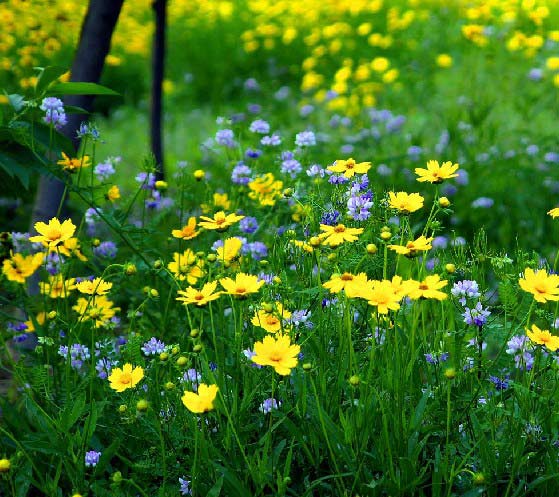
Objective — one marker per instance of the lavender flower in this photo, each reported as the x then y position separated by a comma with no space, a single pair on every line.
252,85
483,203
271,140
268,405
249,354
316,170
153,347
259,126
253,153
465,289
147,180
358,207
535,74
300,318
106,250
292,167
103,368
54,112
500,383
330,218
104,170
248,225
92,458
54,263
241,174
225,137
77,352
476,316
192,376
257,250
305,139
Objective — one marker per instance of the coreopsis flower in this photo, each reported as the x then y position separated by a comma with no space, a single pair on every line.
220,201
188,231
429,288
304,246
19,267
202,400
69,248
57,287
271,317
436,173
278,352
401,287
381,294
97,286
351,284
73,164
230,249
411,248
349,167
542,286
242,285
100,310
186,266
265,189
40,319
554,212
199,297
405,203
127,377
220,221
54,233
543,337
336,235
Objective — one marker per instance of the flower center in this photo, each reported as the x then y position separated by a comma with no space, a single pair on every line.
346,277
423,286
540,288
340,228
54,234
199,296
240,289
126,378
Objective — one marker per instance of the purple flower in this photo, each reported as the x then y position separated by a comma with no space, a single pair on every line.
104,170
92,458
551,157
257,250
54,263
483,203
532,149
316,170
249,354
268,405
414,152
292,167
251,153
434,359
306,110
330,218
103,368
225,137
192,376
147,180
395,124
54,112
259,126
271,140
305,139
241,174
439,242
254,108
476,316
77,352
185,486
535,74
335,179
248,225
267,278
500,383
252,85
106,250
153,347
465,289
358,207
300,318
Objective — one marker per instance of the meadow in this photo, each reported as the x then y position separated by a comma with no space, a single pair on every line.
345,285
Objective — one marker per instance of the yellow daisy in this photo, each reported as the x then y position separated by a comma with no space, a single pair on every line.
436,173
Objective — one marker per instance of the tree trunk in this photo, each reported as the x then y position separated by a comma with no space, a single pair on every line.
158,68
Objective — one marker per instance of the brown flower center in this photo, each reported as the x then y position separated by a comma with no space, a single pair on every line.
340,228
126,378
346,277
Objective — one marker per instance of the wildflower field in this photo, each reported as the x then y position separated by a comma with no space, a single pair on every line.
346,283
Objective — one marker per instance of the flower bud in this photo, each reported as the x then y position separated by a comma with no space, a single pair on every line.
52,314
307,366
142,405
194,332
5,465
175,350
96,242
276,280
211,257
130,269
478,478
372,248
450,373
197,348
354,380
161,185
153,293
169,385
314,241
444,202
182,361
268,307
450,268
264,263
332,257
163,356
386,235
117,477
122,408
158,264
199,174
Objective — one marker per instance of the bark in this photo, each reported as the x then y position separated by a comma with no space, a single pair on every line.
158,69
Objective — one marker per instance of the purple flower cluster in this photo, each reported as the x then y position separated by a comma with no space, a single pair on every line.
269,405
260,126
54,112
106,250
225,137
241,174
517,346
436,359
92,458
305,139
358,206
465,289
78,354
476,316
153,346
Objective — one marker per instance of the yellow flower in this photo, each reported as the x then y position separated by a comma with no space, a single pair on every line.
53,233
401,287
57,287
229,250
406,203
429,288
40,319
127,377
18,267
382,295
69,248
304,246
72,165
276,352
542,286
113,193
350,283
94,287
242,285
220,200
554,212
202,401
444,60
99,309
349,167
270,317
543,337
220,221
411,249
436,173
336,235
199,297
187,232
266,189
186,266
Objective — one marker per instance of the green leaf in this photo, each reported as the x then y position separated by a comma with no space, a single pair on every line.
72,413
47,76
74,109
23,478
80,88
14,169
16,101
215,491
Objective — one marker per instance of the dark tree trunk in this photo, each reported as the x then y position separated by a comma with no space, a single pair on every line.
158,68
93,47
